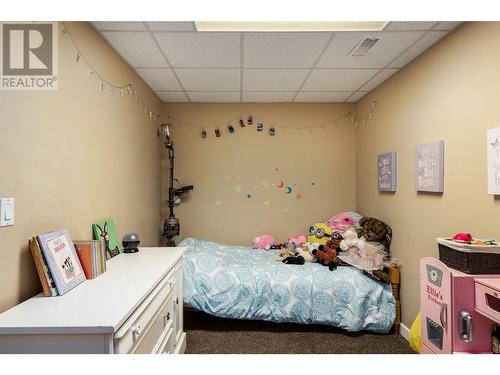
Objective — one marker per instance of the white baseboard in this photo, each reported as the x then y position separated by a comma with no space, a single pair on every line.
404,331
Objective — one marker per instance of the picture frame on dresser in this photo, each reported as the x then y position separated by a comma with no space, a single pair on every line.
62,259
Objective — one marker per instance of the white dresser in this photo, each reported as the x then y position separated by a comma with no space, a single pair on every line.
134,307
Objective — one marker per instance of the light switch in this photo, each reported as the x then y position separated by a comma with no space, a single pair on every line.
6,212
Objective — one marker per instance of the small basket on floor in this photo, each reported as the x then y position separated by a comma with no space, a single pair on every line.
471,259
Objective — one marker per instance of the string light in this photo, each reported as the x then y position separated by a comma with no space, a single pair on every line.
113,89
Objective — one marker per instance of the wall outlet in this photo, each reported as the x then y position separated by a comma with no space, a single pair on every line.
6,212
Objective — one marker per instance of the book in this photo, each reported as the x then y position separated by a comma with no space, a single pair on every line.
40,259
92,257
39,269
62,260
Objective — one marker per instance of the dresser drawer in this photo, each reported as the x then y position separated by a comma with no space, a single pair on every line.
145,316
167,344
488,299
153,337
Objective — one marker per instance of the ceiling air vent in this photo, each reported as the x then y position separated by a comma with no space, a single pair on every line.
363,47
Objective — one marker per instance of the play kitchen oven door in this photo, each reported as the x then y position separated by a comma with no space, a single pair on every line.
435,305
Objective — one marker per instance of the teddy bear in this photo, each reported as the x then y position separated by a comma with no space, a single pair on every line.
344,220
319,233
327,255
374,230
297,239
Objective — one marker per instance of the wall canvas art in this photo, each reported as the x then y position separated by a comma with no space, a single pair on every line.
429,167
386,167
493,153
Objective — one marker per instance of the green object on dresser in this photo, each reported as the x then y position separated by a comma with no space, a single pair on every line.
106,229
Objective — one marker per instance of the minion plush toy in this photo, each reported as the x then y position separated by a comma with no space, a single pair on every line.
319,233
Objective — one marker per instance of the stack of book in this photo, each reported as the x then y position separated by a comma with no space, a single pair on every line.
92,256
62,264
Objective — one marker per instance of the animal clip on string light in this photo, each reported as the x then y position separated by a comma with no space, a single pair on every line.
171,226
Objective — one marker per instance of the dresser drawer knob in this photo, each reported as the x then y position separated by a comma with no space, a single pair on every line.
177,300
136,330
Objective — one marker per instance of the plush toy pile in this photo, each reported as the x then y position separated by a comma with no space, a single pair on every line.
347,239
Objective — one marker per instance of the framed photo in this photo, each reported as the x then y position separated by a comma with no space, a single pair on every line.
106,230
429,167
62,260
386,168
493,152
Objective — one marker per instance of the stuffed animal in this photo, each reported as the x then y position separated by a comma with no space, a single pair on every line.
263,242
351,239
327,255
342,221
297,239
307,251
319,233
288,250
375,230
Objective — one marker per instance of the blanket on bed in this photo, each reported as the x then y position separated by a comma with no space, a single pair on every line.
243,283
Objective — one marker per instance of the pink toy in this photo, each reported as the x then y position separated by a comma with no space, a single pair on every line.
463,237
457,309
263,241
297,240
344,220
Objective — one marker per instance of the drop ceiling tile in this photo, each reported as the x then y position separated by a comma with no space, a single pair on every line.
172,96
337,79
283,50
214,97
267,96
171,26
209,79
378,79
126,26
159,79
390,45
410,25
356,96
447,25
137,48
273,79
201,50
322,96
418,48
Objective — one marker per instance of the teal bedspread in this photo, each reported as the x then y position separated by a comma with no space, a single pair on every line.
242,283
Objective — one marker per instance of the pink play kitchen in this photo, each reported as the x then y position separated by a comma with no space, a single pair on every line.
460,297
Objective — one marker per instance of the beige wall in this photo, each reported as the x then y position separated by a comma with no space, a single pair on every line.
248,159
73,156
450,93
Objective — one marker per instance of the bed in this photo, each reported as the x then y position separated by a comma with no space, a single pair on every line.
242,283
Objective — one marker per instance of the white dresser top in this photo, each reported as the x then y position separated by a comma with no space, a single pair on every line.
100,305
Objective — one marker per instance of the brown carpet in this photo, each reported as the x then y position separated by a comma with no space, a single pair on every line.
207,334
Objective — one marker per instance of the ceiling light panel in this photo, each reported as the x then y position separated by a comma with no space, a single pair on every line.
384,51
137,48
209,79
283,50
290,26
201,50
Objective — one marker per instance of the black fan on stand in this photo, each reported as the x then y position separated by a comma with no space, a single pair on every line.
171,226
